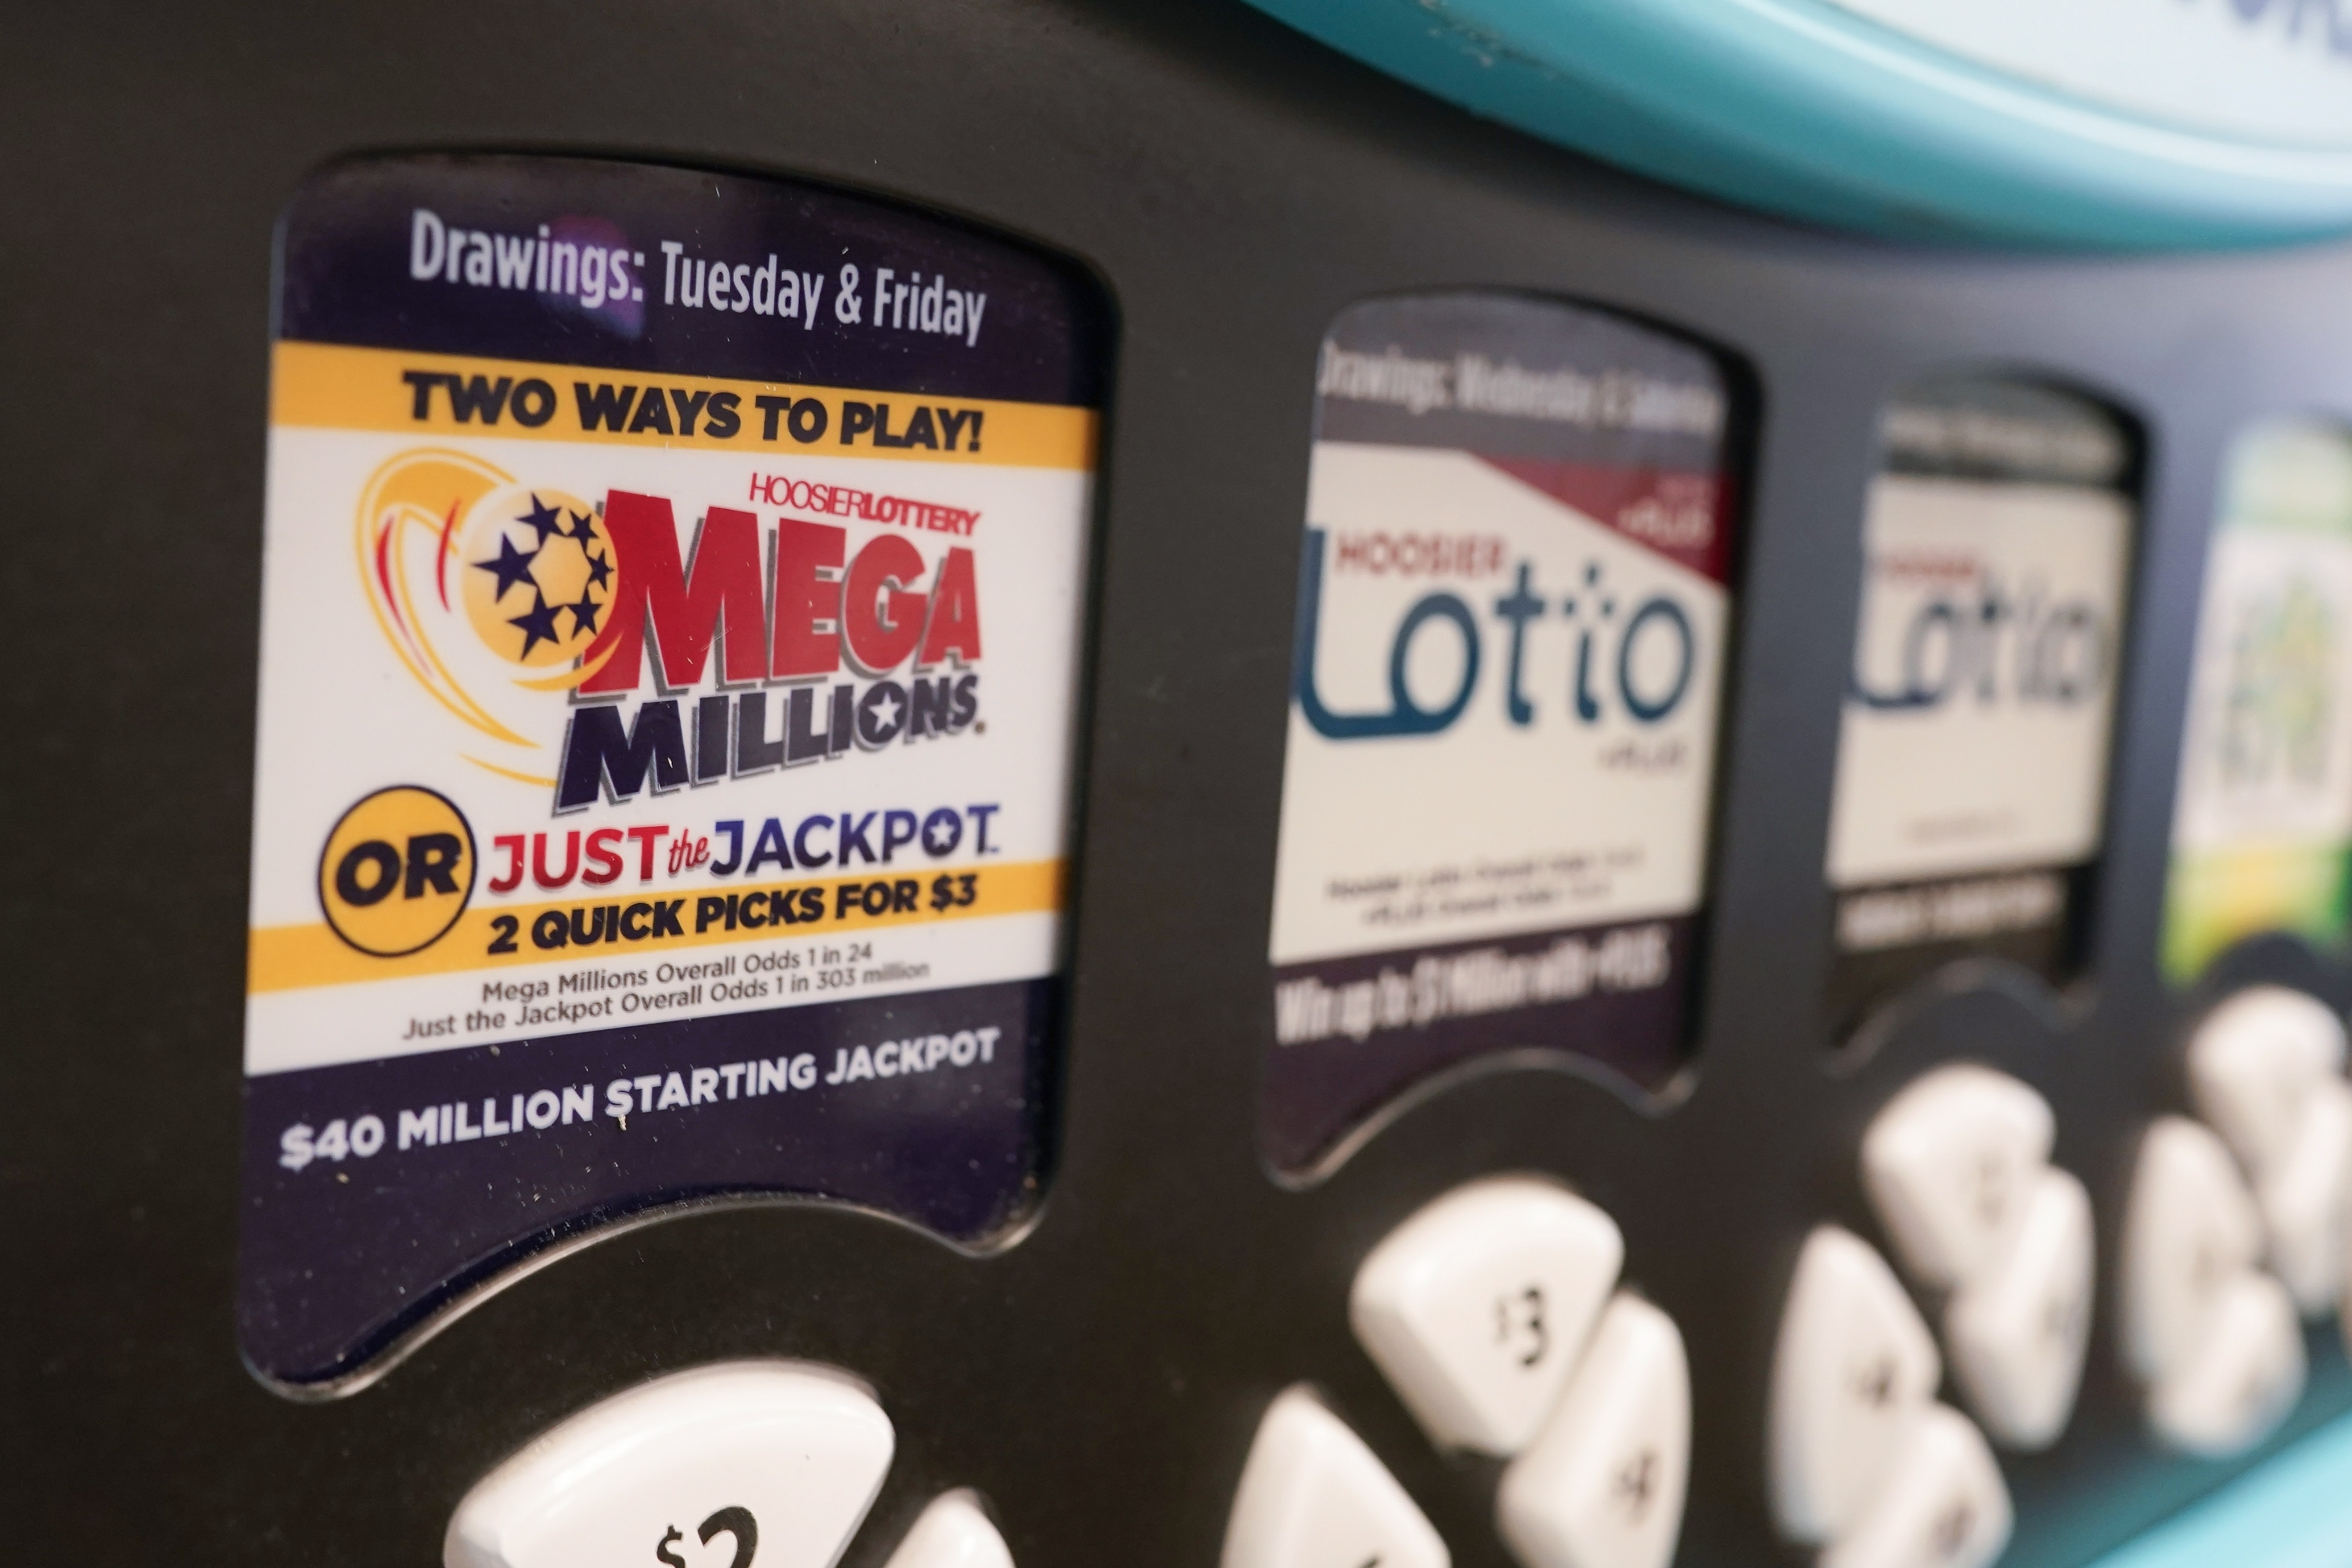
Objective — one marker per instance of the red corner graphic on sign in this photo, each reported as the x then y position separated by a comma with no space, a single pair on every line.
1682,516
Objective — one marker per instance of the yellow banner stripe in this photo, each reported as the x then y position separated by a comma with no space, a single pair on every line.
293,958
330,386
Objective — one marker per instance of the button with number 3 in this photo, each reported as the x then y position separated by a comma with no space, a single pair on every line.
1949,1164
1477,1307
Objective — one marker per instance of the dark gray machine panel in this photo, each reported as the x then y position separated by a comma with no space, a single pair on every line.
1234,189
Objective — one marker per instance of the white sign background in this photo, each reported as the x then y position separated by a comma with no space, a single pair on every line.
1969,786
342,717
2251,571
1487,829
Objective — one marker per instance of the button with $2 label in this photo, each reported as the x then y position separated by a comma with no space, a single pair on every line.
706,1469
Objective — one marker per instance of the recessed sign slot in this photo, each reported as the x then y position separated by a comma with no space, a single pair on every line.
1512,608
2261,832
1972,756
671,627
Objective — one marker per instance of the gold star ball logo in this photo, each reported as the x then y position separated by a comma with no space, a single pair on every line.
539,576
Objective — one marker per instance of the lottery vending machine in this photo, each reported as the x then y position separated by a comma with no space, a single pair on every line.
1249,786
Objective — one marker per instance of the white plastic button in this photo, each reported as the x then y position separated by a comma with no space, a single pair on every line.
2244,1378
1312,1496
708,1467
1477,1306
2190,1228
1854,1368
2253,1063
2016,1336
1947,1164
955,1532
1603,1487
1942,1505
2305,1200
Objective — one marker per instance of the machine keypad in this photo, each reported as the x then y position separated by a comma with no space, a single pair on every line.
2265,1071
1491,1313
2190,1228
2305,1199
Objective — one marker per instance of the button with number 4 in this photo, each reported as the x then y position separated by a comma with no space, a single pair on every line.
2243,1377
2305,1200
1477,1307
1853,1368
2190,1228
2018,1334
1943,1504
1603,1487
708,1469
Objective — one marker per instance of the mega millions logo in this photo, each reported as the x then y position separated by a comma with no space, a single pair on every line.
504,600
494,595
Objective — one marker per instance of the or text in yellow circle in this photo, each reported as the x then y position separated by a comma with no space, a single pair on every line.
397,871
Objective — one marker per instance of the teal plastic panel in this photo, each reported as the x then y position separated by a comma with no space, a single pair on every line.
1808,109
2296,1511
